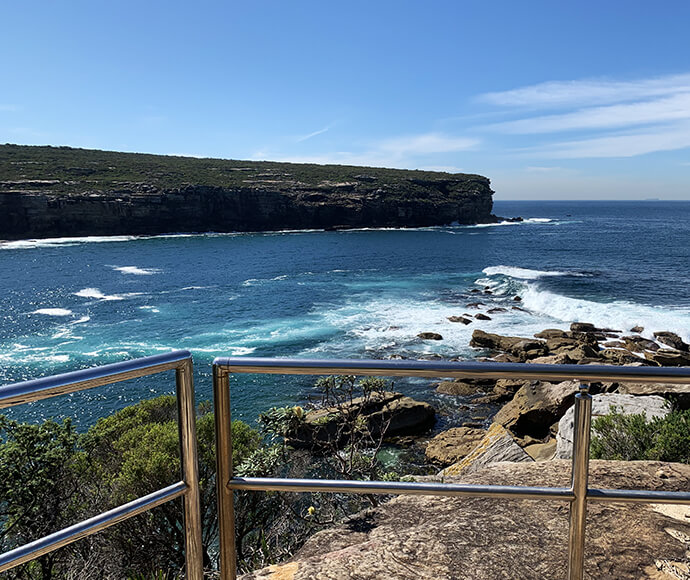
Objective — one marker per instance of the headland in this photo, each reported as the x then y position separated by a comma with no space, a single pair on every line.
61,191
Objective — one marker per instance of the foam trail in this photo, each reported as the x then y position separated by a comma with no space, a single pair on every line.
524,273
136,270
53,311
81,320
57,242
97,294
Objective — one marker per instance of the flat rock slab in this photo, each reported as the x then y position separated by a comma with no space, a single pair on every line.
452,445
496,445
425,537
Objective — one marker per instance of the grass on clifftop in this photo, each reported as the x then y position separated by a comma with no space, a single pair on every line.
81,170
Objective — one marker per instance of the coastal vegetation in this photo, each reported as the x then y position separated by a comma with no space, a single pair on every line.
70,170
634,438
54,476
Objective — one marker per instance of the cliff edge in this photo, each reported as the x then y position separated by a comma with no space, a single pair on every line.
61,191
428,537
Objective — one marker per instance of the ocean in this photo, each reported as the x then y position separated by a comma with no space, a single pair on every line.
72,303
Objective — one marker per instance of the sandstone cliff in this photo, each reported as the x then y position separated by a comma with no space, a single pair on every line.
49,192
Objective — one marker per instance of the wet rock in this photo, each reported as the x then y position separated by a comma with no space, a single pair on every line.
614,344
429,336
481,316
669,358
460,319
450,446
673,340
496,310
517,299
583,327
553,344
520,347
638,343
474,304
637,329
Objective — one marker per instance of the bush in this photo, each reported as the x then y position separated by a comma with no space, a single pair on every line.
631,437
52,477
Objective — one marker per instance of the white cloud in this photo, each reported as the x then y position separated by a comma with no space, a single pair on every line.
673,108
578,93
614,118
314,134
625,145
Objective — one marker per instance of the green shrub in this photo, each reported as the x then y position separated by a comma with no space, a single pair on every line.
631,437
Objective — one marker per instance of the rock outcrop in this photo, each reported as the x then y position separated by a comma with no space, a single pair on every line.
452,445
383,413
440,538
49,192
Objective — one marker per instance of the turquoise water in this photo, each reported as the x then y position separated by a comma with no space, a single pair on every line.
74,303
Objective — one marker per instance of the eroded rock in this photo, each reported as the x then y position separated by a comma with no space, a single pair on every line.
443,538
450,446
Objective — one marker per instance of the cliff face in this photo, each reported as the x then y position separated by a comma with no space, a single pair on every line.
47,192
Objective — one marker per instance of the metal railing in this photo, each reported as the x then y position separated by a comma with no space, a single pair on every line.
187,488
578,494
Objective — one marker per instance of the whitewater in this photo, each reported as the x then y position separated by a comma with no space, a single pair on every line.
72,303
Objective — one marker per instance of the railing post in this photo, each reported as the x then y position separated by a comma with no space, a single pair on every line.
226,508
194,561
580,472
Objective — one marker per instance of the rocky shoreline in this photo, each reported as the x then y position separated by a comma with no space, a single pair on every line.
528,442
532,421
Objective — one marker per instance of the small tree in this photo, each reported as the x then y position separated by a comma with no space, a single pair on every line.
38,489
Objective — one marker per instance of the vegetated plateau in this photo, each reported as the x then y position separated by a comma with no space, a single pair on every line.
61,191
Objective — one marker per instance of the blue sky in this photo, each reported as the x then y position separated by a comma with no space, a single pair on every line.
551,100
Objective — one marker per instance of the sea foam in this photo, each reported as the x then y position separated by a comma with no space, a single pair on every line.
53,311
97,294
525,273
56,242
135,270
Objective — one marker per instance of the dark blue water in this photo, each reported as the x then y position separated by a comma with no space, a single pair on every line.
70,304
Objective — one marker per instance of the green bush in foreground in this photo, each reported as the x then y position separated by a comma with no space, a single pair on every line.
631,437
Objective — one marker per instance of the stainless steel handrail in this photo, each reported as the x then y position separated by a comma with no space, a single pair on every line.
578,494
188,488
